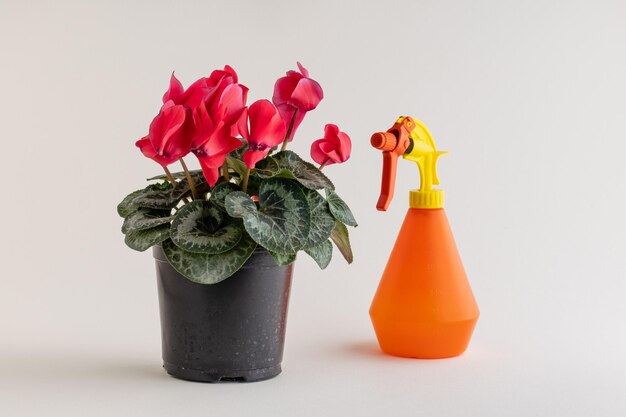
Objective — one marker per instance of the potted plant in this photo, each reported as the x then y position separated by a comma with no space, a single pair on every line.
225,236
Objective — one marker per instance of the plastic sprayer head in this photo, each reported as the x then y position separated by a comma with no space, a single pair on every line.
384,141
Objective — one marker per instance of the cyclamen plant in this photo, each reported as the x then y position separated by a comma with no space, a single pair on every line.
248,193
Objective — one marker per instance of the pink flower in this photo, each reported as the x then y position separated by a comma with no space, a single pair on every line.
333,148
296,92
170,134
266,130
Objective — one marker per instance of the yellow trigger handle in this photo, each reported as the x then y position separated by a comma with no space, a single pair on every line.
424,153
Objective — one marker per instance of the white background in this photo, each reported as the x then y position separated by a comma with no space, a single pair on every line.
529,98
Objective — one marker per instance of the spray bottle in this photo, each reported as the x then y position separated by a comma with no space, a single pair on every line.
424,306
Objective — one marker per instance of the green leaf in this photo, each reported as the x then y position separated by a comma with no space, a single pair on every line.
283,259
201,227
282,222
182,188
322,222
176,175
321,253
340,237
155,196
144,239
288,164
220,191
340,209
143,219
237,165
125,207
239,204
205,268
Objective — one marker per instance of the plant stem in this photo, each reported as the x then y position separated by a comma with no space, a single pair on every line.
324,164
192,186
169,177
244,184
289,130
225,171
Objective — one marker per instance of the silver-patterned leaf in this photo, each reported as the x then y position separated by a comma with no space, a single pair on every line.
143,219
340,237
145,239
220,191
283,259
322,222
182,188
321,253
340,209
176,175
156,196
288,164
205,268
239,204
283,220
125,207
201,227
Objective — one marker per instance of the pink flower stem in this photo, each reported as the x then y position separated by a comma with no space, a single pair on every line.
324,164
192,186
169,176
225,171
244,183
289,130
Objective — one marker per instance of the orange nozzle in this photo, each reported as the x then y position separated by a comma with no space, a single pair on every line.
394,142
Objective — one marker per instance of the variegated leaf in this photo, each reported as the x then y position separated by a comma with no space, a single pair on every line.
283,259
239,204
145,239
220,191
340,209
283,220
321,253
182,188
288,164
155,196
143,219
125,207
205,268
322,222
201,227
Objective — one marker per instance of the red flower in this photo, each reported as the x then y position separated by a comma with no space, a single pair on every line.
212,142
169,137
333,148
298,92
191,97
267,130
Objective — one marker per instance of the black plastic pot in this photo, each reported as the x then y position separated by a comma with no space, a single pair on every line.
230,331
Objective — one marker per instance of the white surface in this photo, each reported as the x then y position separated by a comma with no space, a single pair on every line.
529,97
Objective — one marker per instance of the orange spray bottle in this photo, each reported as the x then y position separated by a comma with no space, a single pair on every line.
424,306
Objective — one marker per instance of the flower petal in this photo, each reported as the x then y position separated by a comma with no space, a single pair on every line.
210,168
174,91
167,132
145,146
303,70
250,157
266,125
307,95
283,89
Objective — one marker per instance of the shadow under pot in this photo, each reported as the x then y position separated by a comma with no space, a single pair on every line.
230,331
